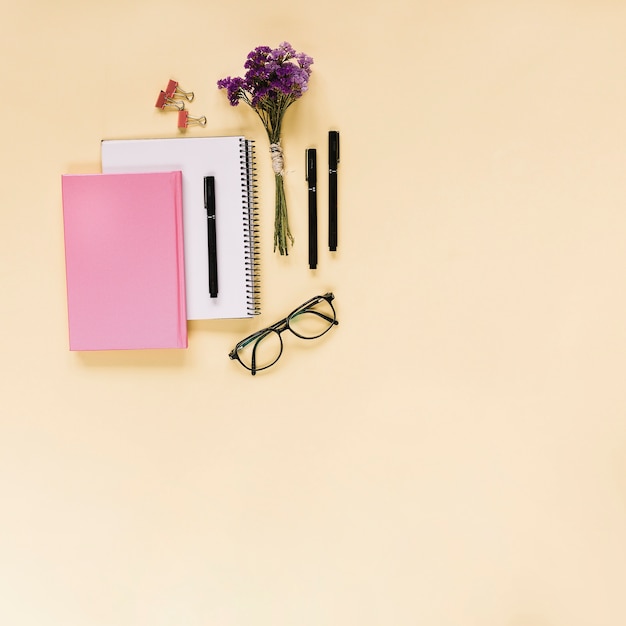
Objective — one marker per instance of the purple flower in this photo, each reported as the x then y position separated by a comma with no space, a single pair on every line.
234,88
304,61
272,76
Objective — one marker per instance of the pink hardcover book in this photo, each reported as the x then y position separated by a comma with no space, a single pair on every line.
124,261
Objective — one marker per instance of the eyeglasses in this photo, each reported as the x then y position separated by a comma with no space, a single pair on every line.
310,320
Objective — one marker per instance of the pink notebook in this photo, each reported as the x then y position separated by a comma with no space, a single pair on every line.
124,261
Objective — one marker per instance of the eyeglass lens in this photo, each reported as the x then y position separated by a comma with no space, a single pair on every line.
263,351
313,319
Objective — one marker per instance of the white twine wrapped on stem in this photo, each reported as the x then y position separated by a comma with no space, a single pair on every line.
278,163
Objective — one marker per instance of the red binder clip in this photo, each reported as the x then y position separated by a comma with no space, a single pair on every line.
174,91
185,120
164,102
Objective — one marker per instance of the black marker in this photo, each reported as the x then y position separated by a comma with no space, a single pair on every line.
333,159
311,177
209,205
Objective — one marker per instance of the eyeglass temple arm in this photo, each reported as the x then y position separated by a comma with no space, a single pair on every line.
253,364
331,320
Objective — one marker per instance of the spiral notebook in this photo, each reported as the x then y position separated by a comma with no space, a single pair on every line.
124,261
230,160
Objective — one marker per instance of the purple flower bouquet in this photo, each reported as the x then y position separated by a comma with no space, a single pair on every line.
274,80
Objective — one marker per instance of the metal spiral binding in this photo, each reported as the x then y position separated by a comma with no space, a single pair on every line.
251,224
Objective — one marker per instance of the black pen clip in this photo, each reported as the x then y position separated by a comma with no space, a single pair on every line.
209,196
311,166
333,147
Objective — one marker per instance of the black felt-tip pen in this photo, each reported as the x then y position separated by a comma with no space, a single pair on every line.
209,205
311,177
333,159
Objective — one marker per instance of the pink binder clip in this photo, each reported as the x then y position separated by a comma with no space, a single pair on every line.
174,91
185,120
164,102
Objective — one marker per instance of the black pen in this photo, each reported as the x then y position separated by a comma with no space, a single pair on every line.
333,159
209,205
311,177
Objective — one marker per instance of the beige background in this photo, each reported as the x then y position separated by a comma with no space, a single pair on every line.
454,452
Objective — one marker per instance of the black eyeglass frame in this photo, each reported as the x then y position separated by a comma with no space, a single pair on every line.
280,327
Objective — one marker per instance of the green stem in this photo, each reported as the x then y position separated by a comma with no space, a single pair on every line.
282,233
271,113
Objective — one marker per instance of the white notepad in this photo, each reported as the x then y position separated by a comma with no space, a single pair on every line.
231,161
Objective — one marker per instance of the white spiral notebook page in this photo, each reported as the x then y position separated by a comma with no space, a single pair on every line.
230,161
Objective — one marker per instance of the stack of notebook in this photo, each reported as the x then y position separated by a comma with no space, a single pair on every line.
136,242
